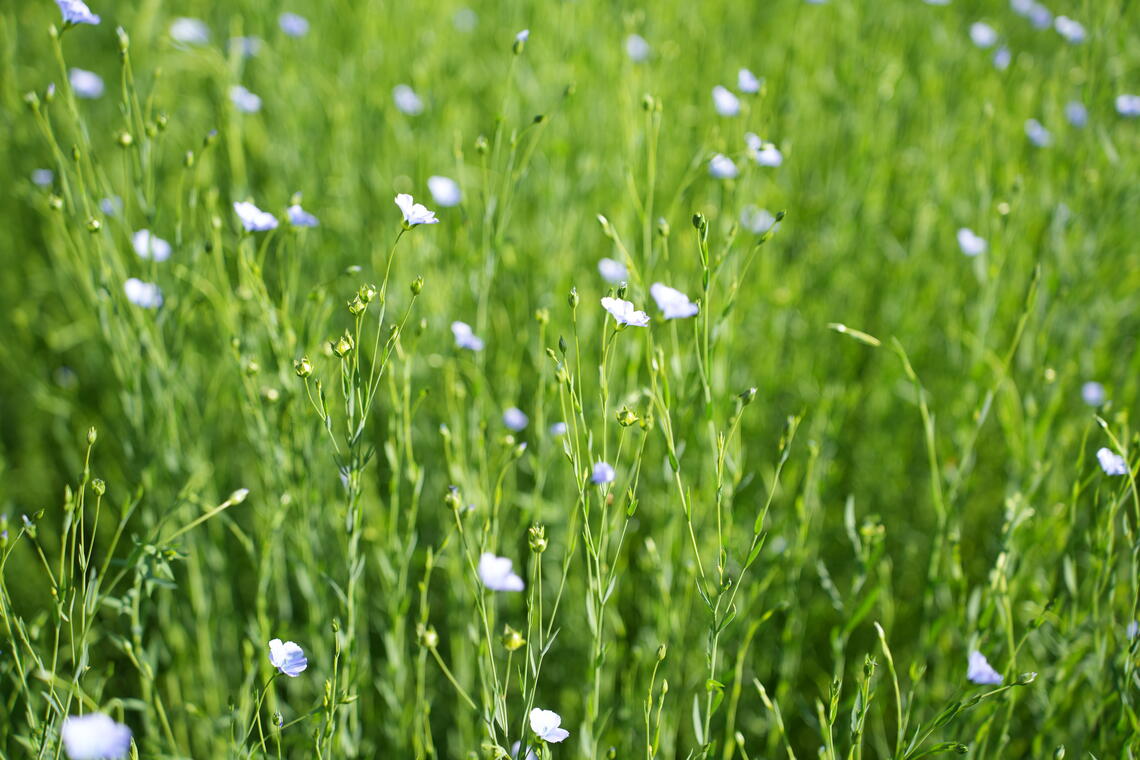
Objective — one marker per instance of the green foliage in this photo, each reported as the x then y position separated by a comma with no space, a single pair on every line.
865,457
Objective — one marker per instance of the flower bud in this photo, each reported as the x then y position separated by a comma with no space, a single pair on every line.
303,367
98,486
124,39
542,316
238,496
94,225
536,537
699,221
512,639
55,202
626,417
92,436
562,345
661,651
747,396
481,145
188,159
32,101
161,121
124,139
427,636
367,293
573,299
356,306
647,102
662,227
417,285
453,499
49,93
343,345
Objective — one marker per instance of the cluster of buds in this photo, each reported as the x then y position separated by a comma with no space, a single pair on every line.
536,537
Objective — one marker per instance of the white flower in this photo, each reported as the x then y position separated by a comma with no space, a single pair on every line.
149,246
558,429
515,752
769,155
76,12
87,84
522,36
624,312
244,100
1111,462
602,473
983,34
971,244
674,303
144,294
414,213
407,100
1132,629
756,219
1128,105
612,271
937,2
980,672
747,82
1037,133
1002,57
722,167
253,218
444,191
725,102
763,153
293,25
496,574
95,737
1092,393
288,657
465,338
1076,113
1071,30
43,177
189,31
299,217
545,724
637,48
515,419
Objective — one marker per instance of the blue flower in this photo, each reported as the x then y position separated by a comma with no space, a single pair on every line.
980,672
146,295
674,303
294,25
1111,462
95,736
76,12
624,312
288,657
87,84
497,575
244,100
515,419
253,218
603,473
465,337
299,217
